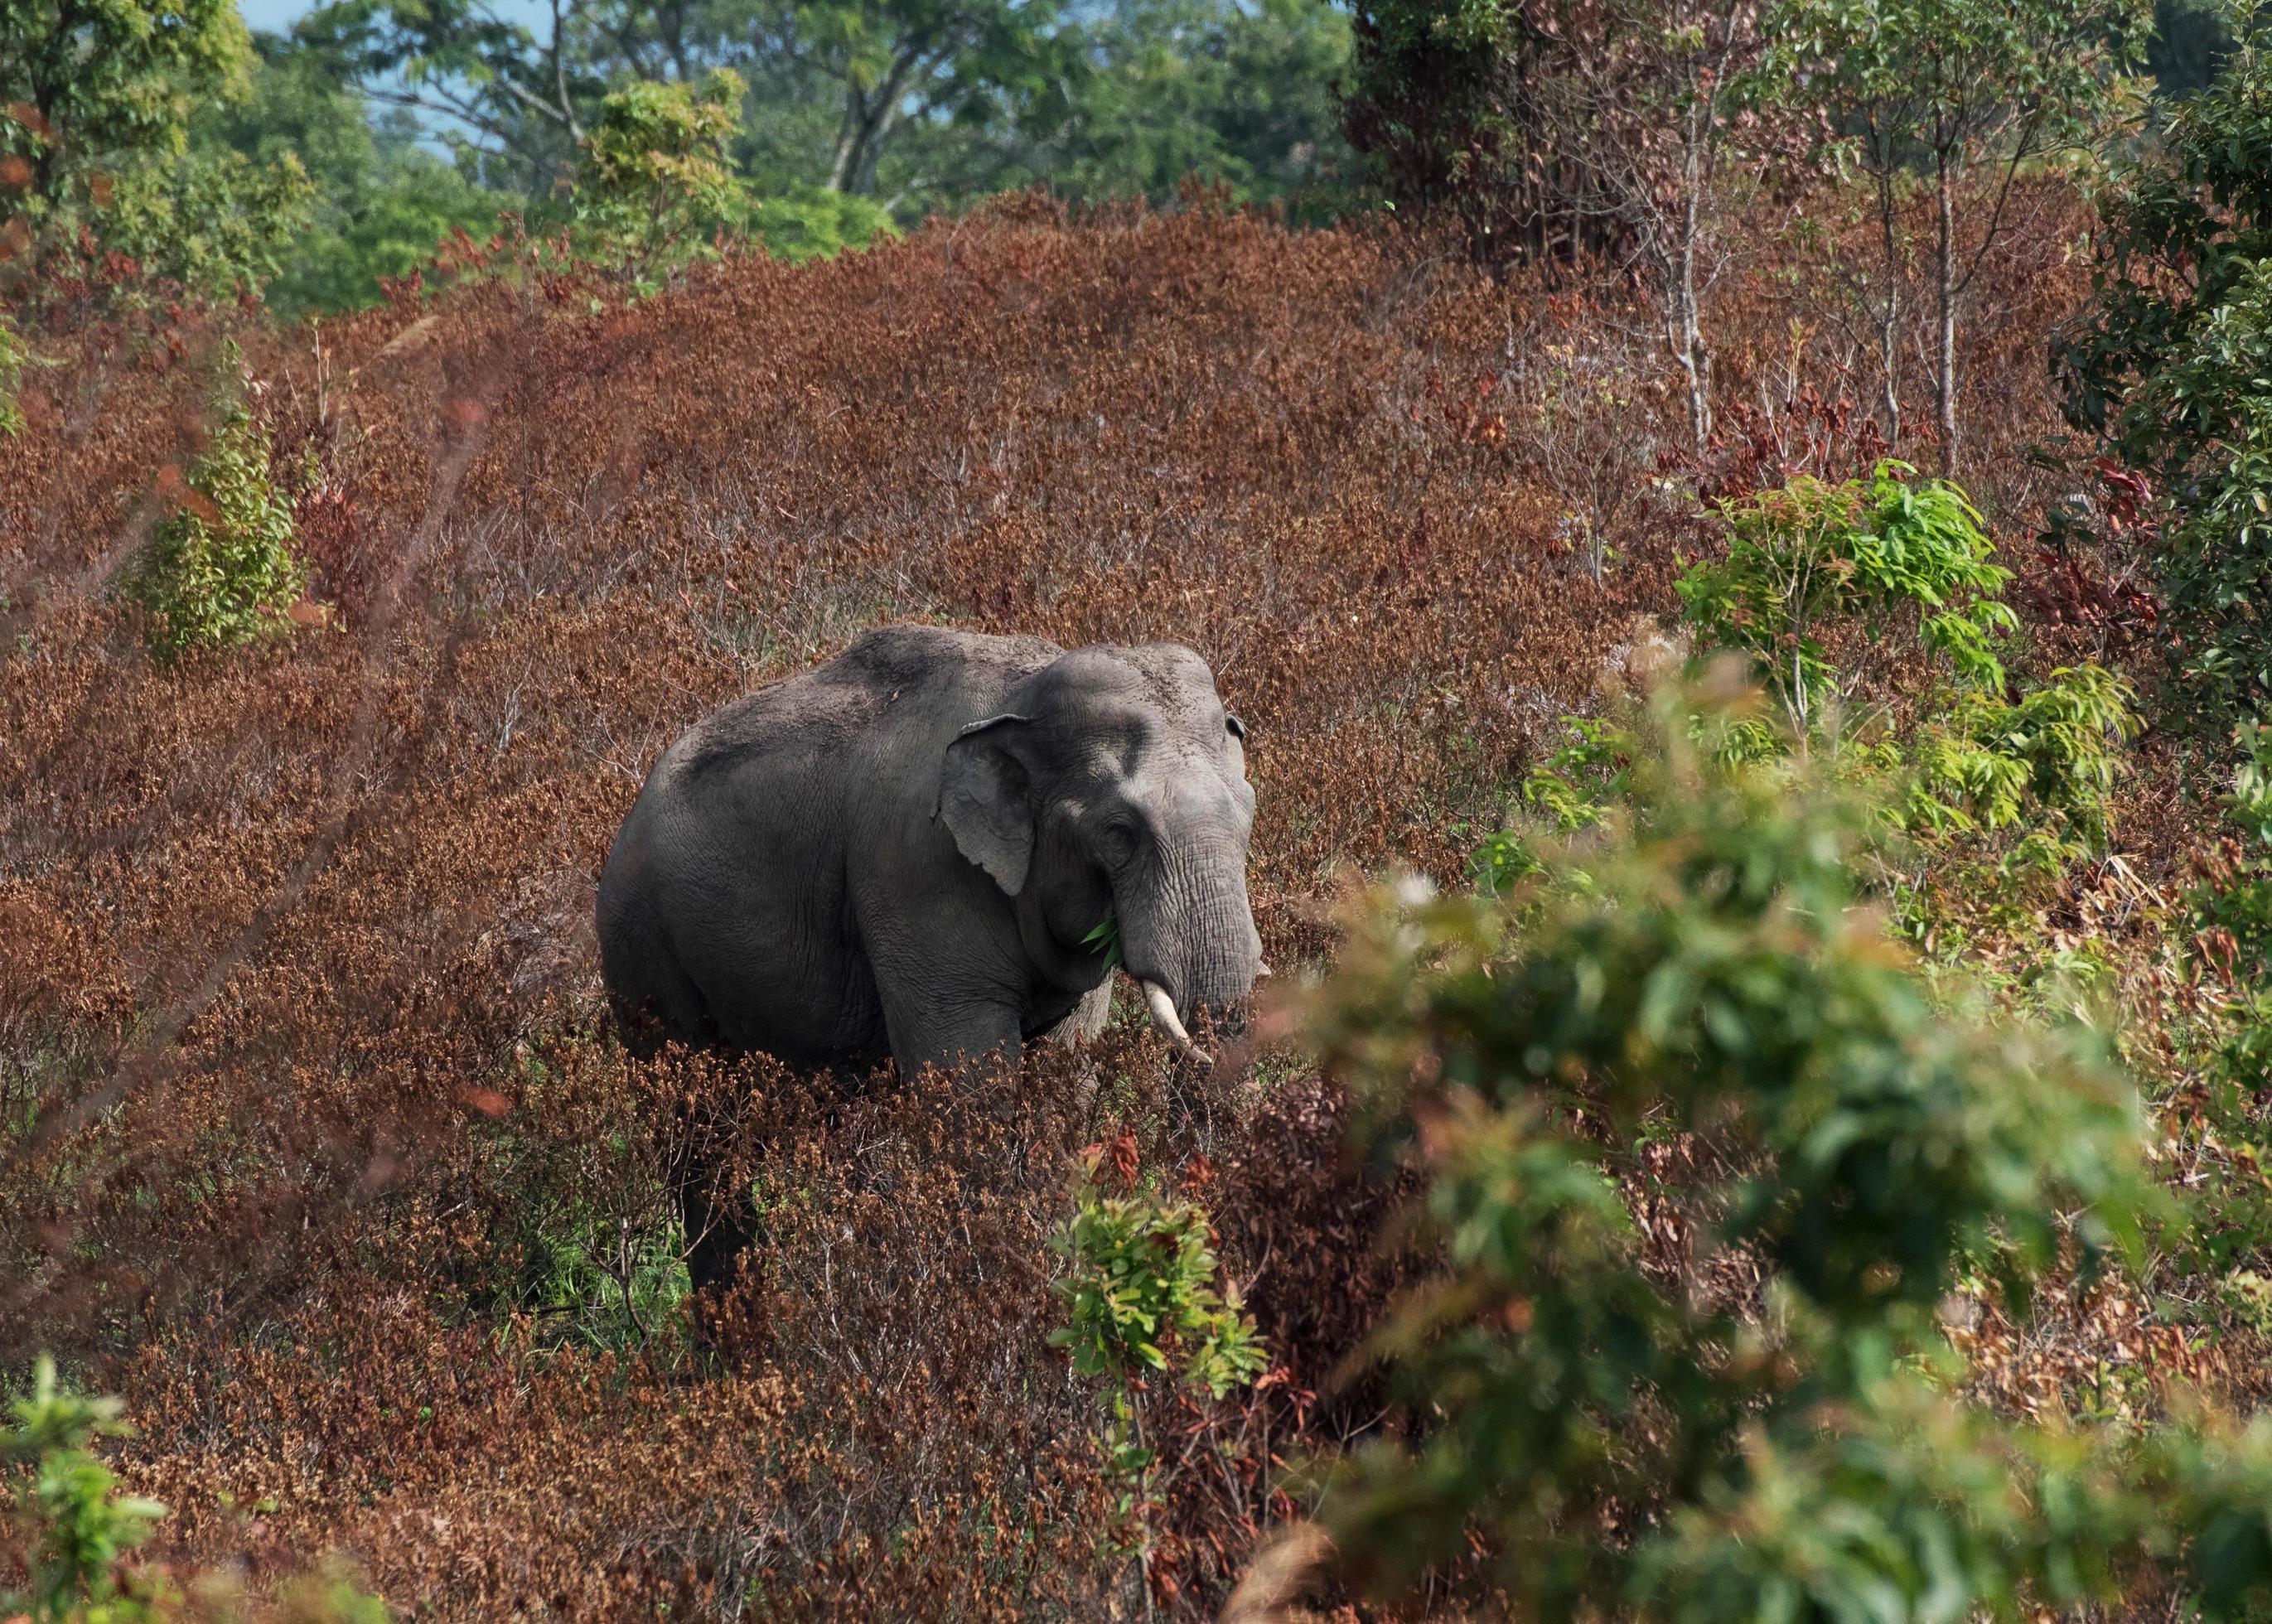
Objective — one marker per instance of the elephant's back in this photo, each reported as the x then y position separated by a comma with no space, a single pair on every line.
896,680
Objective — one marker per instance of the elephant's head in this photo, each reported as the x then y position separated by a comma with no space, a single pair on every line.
1111,786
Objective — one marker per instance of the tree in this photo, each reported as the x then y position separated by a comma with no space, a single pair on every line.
381,201
102,100
838,86
1964,93
2189,45
654,163
1177,89
1674,109
1685,1010
2173,368
912,101
1448,105
85,82
918,104
1578,124
507,95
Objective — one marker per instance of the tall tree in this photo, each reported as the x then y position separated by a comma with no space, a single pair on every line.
1963,94
1246,95
836,86
98,100
914,102
383,199
509,95
1452,104
83,81
2171,366
1673,114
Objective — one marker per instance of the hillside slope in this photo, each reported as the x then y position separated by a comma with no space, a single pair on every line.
330,1167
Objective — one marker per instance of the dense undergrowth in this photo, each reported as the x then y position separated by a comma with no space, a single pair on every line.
319,1153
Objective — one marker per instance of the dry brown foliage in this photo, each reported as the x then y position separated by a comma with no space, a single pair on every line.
305,1077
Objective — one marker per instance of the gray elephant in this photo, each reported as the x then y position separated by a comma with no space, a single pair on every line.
925,850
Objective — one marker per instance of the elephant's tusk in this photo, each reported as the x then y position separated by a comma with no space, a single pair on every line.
1261,971
1163,1013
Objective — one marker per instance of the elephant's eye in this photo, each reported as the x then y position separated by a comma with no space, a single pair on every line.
1235,728
1115,843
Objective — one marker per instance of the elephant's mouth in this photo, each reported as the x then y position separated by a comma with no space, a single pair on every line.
1162,1007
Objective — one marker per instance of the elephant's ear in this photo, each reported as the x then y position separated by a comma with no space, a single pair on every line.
985,798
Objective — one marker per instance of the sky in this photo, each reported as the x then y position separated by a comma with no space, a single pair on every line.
278,16
273,16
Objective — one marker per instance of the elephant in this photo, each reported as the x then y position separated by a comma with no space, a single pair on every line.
931,850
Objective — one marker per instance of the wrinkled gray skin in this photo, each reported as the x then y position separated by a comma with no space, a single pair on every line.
901,854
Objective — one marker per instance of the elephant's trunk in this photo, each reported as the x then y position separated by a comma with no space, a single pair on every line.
1192,944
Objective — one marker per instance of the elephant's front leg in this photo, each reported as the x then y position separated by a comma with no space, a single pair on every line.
963,1037
1088,1019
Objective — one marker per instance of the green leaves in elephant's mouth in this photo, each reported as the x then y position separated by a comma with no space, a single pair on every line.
1105,938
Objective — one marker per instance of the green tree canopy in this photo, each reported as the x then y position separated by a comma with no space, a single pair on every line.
917,104
1704,1155
382,199
2172,366
101,98
85,81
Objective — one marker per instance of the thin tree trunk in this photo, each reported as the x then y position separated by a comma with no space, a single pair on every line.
1889,308
848,133
560,81
869,119
1695,360
1946,383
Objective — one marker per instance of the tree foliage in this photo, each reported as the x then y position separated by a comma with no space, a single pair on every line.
77,1531
1450,102
1172,91
654,162
1695,982
380,199
95,142
1807,556
85,82
2172,366
918,104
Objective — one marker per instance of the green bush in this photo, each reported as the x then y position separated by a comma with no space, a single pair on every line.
655,168
658,188
2230,907
813,223
1782,1437
2026,771
222,571
74,1532
15,356
2043,763
2214,395
216,222
1881,554
1140,1295
1138,1285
